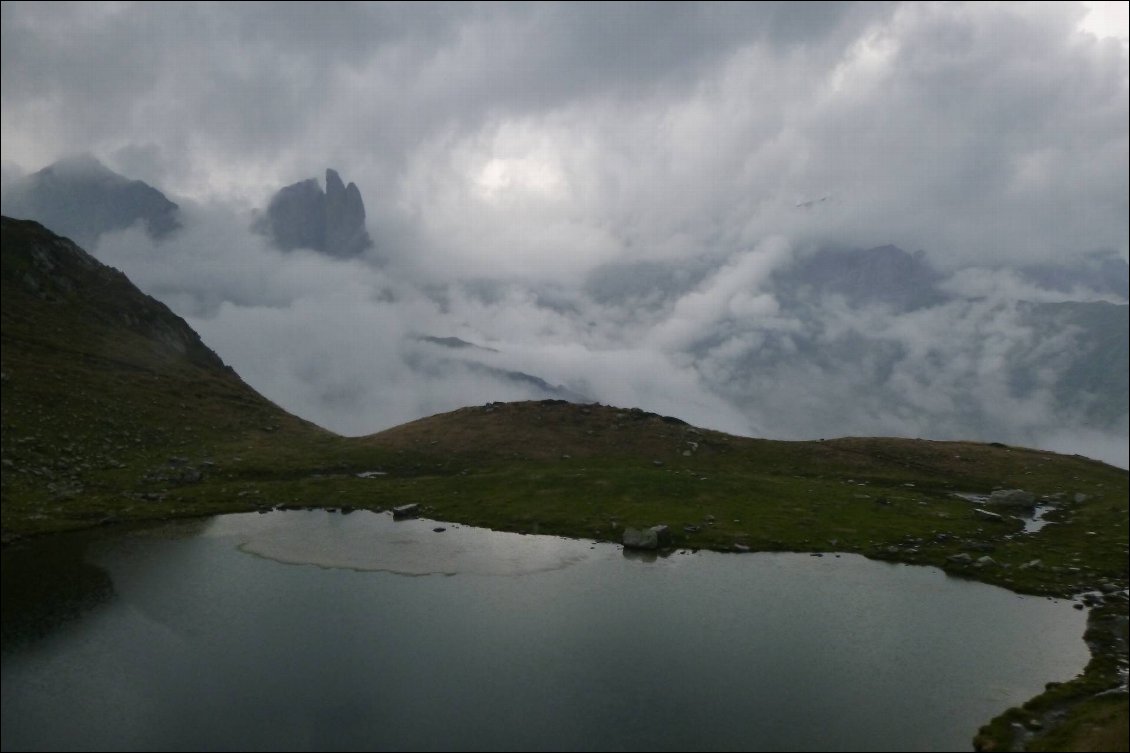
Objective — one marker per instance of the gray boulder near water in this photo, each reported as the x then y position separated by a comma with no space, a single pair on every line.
402,512
647,538
332,221
1012,498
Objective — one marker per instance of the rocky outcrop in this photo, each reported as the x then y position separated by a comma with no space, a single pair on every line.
345,218
296,217
332,221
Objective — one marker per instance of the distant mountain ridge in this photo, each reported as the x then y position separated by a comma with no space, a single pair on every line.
82,199
882,275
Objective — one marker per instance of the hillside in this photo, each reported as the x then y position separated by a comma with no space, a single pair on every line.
105,390
113,410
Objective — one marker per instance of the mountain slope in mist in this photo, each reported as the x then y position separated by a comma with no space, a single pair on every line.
82,199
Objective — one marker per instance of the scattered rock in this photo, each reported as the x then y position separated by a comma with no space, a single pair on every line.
986,515
405,511
963,558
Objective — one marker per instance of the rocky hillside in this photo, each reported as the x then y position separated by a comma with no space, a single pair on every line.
103,385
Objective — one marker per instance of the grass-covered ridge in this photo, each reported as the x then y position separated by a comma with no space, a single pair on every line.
113,411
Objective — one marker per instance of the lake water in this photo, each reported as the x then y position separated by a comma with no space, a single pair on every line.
321,631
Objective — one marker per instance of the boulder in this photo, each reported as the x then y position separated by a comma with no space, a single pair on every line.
647,538
1012,498
635,538
405,511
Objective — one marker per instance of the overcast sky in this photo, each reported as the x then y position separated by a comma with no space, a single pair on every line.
519,134
533,145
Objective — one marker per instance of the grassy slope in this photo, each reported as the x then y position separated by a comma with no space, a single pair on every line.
102,386
113,410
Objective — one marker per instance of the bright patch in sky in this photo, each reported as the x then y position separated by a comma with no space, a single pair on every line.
1108,19
515,177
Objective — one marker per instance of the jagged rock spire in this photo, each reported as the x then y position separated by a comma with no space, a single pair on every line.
302,215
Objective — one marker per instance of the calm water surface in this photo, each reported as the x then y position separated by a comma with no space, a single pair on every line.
321,631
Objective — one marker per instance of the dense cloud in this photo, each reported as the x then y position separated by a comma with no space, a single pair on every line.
612,197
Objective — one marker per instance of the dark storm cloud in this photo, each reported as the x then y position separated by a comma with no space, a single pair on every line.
251,81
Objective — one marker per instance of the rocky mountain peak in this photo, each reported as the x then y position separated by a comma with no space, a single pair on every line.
332,221
334,184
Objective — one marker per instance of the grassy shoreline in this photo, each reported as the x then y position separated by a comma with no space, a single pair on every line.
544,468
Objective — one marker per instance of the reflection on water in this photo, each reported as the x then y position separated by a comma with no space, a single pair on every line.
46,586
376,542
206,641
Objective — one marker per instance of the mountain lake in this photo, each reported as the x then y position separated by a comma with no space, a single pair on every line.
316,630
